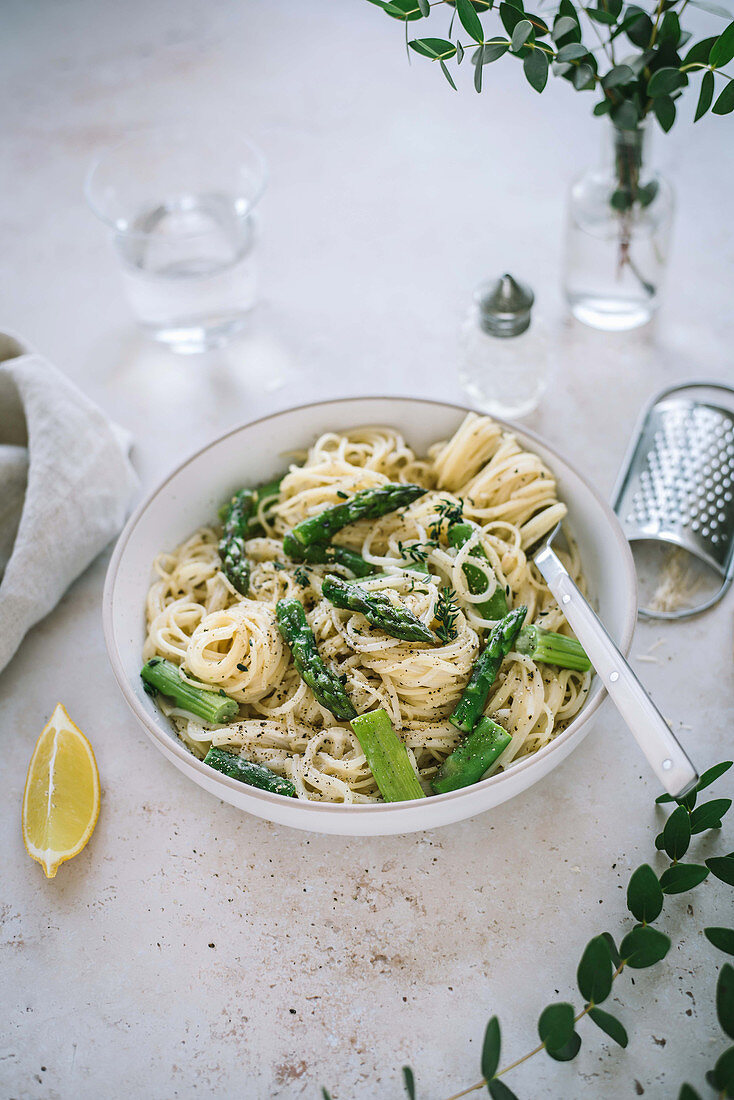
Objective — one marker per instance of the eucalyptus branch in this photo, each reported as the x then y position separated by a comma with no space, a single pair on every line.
651,81
641,947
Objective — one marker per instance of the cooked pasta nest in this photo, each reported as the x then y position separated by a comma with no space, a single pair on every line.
196,619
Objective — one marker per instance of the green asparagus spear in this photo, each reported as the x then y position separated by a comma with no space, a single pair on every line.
235,565
549,648
496,606
255,775
367,504
471,757
387,757
321,553
212,706
327,687
377,608
501,640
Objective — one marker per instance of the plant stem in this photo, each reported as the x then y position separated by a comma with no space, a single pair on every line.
536,1050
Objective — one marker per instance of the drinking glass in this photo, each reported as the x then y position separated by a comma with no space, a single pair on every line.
180,206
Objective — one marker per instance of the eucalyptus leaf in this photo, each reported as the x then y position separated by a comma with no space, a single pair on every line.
659,842
722,50
498,1090
594,974
705,99
647,192
491,1049
409,1082
574,51
469,20
535,67
522,33
725,103
568,1051
510,16
564,24
643,947
478,71
556,1025
621,199
723,938
613,952
625,115
617,76
725,999
325,1094
610,1024
724,1073
722,867
687,1093
699,54
669,29
600,16
665,112
638,26
682,877
447,74
493,49
709,814
677,830
406,10
459,53
434,48
644,896
583,77
603,107
425,7
665,81
718,770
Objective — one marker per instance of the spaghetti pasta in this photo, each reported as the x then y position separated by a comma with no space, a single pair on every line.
218,637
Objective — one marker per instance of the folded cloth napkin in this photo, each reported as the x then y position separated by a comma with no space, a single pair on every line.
65,485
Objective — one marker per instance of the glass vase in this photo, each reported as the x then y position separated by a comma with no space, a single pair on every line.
618,234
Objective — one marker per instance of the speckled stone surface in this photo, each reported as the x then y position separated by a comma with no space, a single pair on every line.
194,951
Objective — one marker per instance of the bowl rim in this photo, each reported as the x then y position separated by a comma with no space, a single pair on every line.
173,745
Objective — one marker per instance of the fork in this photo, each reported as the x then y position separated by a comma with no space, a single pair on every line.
645,722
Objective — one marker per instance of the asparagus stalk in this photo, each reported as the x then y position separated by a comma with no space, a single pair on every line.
212,706
496,606
549,648
387,757
367,504
298,635
473,700
471,758
235,565
377,608
322,553
255,775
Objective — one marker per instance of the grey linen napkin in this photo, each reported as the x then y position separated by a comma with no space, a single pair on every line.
65,485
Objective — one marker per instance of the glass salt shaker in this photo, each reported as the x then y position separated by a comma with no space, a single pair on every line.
505,353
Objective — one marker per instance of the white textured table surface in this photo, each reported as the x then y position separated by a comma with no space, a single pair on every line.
192,950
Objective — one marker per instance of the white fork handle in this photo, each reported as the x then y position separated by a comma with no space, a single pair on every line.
647,725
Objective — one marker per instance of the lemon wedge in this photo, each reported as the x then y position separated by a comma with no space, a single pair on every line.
61,797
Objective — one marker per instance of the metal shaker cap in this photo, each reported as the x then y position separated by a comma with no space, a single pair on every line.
504,306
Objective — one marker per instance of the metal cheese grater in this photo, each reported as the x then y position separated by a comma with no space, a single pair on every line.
676,485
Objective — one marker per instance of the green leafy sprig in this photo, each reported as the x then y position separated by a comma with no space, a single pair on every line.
632,85
446,613
643,946
448,512
416,551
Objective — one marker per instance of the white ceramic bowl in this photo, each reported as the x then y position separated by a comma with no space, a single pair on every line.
191,495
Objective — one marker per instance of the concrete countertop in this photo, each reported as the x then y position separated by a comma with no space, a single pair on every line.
191,950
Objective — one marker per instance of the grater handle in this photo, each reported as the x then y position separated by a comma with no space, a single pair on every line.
647,725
